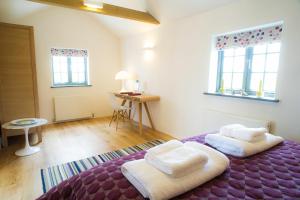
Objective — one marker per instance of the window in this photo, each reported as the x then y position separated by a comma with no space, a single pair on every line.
247,69
70,67
248,62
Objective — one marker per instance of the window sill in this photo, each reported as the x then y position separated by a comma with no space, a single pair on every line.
64,86
244,97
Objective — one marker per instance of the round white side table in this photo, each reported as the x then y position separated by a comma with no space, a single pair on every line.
27,150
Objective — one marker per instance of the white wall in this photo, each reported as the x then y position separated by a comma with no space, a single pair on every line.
179,69
65,28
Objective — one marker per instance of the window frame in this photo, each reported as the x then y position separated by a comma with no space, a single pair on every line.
70,82
246,75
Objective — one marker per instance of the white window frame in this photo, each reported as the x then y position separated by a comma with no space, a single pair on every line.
70,82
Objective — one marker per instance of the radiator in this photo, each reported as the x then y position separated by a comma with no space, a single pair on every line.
215,119
69,108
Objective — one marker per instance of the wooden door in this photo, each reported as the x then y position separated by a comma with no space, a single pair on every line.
18,90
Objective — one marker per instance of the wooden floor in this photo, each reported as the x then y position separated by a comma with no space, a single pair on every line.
64,142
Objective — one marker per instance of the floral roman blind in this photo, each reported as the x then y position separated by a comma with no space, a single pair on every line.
69,52
249,38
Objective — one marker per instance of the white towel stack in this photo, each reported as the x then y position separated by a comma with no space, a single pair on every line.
175,158
165,147
241,132
240,141
173,168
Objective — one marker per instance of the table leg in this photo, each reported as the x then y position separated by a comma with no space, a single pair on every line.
26,130
4,138
123,102
39,133
28,150
130,107
140,118
113,117
149,116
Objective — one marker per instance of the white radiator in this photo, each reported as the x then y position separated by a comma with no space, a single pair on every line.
71,108
215,119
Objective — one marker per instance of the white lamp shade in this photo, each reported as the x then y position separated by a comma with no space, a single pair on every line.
122,75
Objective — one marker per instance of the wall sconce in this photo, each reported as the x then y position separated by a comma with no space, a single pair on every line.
149,44
148,50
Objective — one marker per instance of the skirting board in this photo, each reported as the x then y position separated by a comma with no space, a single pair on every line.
79,119
72,120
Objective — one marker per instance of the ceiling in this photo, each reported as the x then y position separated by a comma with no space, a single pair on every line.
163,10
166,10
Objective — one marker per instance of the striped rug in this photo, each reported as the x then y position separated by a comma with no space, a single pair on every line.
52,176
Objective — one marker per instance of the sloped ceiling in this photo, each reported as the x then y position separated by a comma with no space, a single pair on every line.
163,10
166,10
12,10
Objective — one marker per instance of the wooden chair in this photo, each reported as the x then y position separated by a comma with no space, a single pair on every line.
120,111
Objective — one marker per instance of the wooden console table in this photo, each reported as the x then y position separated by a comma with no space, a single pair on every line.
140,99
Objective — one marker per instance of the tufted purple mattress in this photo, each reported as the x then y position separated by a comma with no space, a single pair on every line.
273,174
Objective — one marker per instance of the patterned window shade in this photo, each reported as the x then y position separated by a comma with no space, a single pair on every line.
249,38
69,52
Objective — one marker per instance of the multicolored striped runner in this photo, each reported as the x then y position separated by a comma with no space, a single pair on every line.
52,176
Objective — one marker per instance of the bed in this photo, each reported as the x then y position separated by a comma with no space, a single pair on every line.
273,174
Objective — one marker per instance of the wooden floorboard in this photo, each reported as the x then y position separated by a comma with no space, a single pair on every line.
63,142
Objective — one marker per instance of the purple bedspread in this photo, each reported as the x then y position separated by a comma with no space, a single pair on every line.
273,174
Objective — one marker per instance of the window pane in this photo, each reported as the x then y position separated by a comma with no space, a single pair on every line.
258,63
255,79
227,80
56,78
56,68
270,82
81,78
274,47
77,64
239,63
237,81
272,62
60,64
260,49
75,77
64,77
228,52
228,63
60,69
60,78
78,69
240,51
78,78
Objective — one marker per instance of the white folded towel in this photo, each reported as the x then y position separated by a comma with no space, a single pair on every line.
226,130
179,161
165,147
241,148
156,185
243,133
